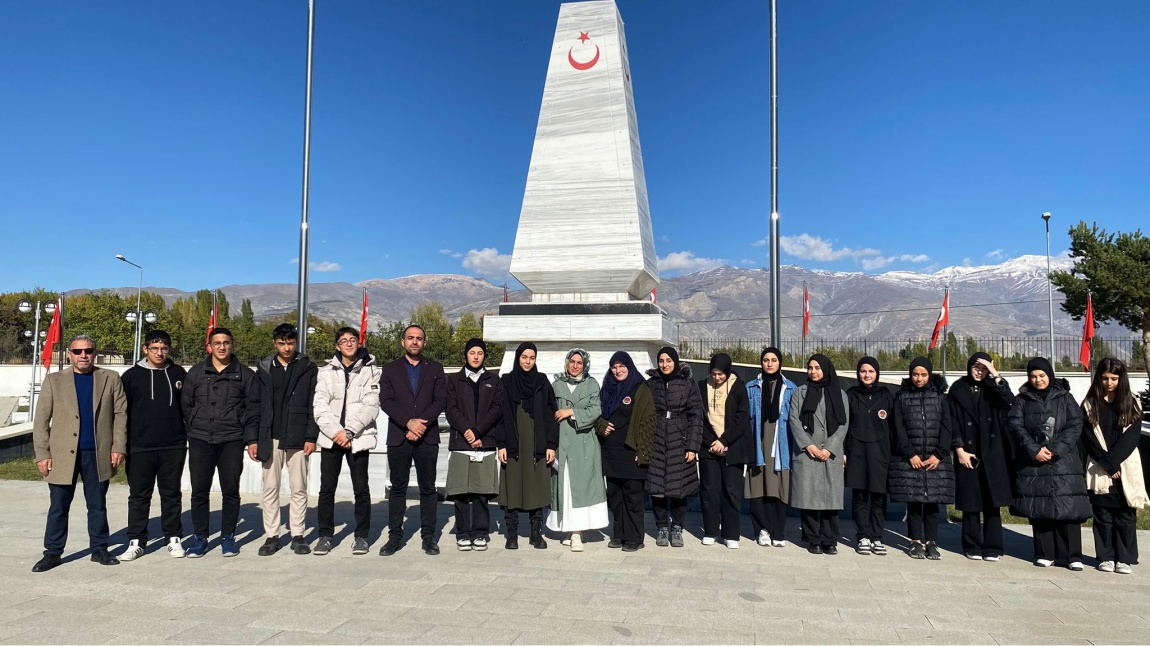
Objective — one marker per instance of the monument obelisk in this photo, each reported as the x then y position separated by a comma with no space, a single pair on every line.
584,246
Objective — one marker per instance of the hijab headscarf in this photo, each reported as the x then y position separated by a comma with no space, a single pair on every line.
835,411
920,362
972,361
860,387
521,385
674,354
1040,363
772,385
613,392
566,377
474,342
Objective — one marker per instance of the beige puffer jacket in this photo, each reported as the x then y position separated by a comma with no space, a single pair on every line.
360,391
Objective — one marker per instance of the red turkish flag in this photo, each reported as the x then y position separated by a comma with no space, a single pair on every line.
653,295
806,312
943,319
363,320
1087,334
52,339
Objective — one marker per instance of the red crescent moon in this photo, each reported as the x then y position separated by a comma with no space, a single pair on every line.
582,66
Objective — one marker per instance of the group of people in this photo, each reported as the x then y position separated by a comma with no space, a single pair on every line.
576,454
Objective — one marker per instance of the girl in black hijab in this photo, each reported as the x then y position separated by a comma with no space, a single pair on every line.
819,426
979,403
768,482
867,452
527,438
673,475
727,446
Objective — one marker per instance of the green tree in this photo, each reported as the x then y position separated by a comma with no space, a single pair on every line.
1115,269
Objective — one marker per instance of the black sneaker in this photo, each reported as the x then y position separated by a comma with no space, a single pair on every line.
429,547
815,549
932,552
632,546
676,536
322,546
270,546
360,546
916,551
615,543
664,538
831,550
393,545
299,546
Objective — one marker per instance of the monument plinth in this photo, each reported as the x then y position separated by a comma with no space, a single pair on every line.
584,246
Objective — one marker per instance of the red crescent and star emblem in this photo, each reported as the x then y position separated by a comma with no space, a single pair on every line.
579,65
626,401
882,414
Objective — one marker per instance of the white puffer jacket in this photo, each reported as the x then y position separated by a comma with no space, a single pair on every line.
359,391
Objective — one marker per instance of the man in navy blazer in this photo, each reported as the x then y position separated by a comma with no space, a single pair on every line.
413,392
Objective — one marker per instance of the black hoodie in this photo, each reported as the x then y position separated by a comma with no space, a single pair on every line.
155,414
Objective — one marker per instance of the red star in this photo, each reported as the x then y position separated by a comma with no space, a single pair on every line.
583,37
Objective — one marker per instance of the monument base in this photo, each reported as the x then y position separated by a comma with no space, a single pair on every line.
639,328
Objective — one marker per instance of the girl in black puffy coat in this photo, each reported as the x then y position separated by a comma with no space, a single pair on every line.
1050,485
673,474
921,474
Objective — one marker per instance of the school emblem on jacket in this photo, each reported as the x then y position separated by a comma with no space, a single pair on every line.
882,413
627,400
179,385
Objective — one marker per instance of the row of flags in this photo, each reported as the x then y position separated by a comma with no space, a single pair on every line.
214,315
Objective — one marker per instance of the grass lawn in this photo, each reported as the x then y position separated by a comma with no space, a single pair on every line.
1009,519
25,469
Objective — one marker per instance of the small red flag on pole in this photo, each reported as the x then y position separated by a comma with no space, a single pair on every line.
1087,333
806,311
653,295
363,320
212,322
52,339
506,294
943,319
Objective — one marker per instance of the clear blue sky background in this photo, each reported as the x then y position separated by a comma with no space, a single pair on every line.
914,135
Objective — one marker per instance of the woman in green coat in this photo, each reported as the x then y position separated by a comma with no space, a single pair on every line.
578,493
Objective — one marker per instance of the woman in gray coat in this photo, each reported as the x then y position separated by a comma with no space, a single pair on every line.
818,423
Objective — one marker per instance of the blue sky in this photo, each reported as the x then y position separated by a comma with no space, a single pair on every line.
913,135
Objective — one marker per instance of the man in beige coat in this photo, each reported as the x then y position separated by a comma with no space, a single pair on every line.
80,430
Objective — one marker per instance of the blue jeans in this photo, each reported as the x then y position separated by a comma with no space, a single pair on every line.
95,496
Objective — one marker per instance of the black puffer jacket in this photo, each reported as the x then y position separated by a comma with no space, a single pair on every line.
922,426
215,402
1055,490
473,405
678,429
299,425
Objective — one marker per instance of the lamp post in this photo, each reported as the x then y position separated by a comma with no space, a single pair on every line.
25,306
135,316
1049,286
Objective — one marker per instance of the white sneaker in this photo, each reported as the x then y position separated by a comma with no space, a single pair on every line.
576,542
1075,566
993,558
1123,568
764,538
708,540
732,545
864,546
778,543
463,544
479,544
134,551
1044,562
1106,566
175,548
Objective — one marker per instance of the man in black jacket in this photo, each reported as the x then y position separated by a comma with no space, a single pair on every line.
285,434
216,413
157,444
412,392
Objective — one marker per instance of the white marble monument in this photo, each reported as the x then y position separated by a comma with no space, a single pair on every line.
584,246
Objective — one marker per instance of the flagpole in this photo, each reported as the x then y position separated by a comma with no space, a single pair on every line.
945,325
776,281
806,310
63,348
303,227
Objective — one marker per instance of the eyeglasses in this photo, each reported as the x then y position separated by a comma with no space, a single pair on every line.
80,351
347,341
162,349
618,366
221,344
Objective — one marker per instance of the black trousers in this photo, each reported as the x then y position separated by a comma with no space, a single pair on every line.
147,470
922,521
511,517
820,526
1057,540
769,514
982,535
1116,534
472,517
669,511
330,464
204,460
721,495
60,503
399,461
625,500
868,509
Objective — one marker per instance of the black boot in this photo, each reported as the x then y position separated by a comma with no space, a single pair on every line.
512,522
537,534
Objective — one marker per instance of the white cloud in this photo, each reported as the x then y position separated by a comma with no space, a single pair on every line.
449,252
488,262
878,262
808,247
966,262
686,262
760,243
997,254
664,238
326,265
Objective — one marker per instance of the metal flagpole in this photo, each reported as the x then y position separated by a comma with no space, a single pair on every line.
946,299
776,281
303,227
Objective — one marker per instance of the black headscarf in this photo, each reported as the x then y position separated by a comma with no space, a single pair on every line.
772,386
674,354
474,342
613,391
860,387
973,360
920,362
1040,363
971,395
722,361
835,412
521,385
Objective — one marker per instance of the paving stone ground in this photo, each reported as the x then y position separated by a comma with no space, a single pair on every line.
691,595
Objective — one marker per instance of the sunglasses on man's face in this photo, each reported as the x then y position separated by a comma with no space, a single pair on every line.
80,351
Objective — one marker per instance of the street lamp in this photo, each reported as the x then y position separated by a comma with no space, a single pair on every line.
25,306
136,318
1049,286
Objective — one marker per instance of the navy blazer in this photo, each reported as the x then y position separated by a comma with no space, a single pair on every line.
402,405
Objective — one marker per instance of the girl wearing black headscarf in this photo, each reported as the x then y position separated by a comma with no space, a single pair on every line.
819,425
768,484
727,446
867,452
626,430
673,475
527,438
979,404
1050,480
921,474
